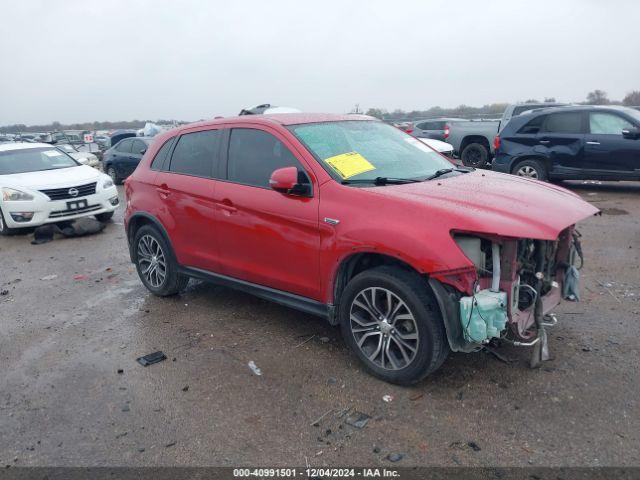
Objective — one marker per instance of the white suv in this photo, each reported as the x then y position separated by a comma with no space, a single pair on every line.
41,184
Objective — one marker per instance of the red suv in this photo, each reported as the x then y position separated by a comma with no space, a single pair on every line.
352,220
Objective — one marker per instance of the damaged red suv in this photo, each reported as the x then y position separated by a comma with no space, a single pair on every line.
352,220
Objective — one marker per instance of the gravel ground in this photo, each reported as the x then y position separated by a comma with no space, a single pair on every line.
63,340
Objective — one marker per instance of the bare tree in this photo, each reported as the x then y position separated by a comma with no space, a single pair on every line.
632,98
598,97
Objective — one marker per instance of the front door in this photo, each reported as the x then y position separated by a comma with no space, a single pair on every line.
266,237
606,149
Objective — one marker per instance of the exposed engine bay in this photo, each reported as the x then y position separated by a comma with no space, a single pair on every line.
518,283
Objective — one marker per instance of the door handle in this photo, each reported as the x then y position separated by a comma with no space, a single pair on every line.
593,143
163,191
227,206
544,142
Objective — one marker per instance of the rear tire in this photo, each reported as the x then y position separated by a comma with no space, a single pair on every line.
156,263
410,341
530,169
474,155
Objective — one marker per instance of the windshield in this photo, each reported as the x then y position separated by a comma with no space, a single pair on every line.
66,148
366,150
34,160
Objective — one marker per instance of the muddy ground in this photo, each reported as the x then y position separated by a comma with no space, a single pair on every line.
73,313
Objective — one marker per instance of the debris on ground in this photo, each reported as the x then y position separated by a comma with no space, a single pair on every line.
305,341
395,457
185,388
4,292
387,398
498,355
170,444
49,277
120,371
357,419
325,339
416,396
254,368
316,423
80,277
151,358
474,446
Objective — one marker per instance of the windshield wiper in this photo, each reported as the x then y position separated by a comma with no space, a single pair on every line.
382,181
444,171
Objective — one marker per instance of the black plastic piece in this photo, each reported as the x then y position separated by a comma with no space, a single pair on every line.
151,358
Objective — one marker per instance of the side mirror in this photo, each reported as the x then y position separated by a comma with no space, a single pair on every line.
142,152
632,133
287,180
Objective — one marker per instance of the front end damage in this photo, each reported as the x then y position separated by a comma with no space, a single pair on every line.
509,292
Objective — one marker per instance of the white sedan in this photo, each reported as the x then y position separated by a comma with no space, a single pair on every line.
40,184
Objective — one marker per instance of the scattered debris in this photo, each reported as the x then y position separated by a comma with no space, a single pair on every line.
325,339
120,371
80,277
141,449
316,423
357,419
376,450
331,381
4,292
49,277
170,444
387,398
125,408
305,341
474,446
185,388
395,457
254,368
498,355
151,358
416,396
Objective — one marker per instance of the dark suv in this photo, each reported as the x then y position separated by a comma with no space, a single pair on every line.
578,142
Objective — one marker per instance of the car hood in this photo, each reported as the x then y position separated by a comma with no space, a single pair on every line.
493,203
58,178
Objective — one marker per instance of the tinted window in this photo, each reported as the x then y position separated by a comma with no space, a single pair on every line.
533,126
161,156
254,155
569,122
607,124
124,146
139,147
196,153
523,108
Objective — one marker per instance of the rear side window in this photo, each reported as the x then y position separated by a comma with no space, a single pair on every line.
124,146
533,126
431,126
139,147
161,156
569,122
196,153
254,155
607,124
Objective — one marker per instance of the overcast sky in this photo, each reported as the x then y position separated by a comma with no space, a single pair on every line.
84,60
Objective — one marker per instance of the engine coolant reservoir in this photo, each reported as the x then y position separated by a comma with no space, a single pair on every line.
484,315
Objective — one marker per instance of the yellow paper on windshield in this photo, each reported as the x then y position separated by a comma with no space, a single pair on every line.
349,164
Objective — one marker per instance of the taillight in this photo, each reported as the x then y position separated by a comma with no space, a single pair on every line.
496,142
409,130
447,130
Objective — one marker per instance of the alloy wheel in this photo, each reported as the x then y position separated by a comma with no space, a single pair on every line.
384,328
152,261
527,171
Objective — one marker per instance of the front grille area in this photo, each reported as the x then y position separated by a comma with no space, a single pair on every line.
63,193
66,213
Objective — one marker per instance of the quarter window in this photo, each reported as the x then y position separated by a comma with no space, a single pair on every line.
254,155
161,156
568,122
607,124
196,153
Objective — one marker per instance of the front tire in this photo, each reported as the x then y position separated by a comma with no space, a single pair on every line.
391,321
114,176
4,230
474,155
531,169
156,263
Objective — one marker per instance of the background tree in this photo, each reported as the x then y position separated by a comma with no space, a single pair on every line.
632,98
549,99
598,97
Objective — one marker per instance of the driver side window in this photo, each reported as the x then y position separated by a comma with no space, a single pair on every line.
607,124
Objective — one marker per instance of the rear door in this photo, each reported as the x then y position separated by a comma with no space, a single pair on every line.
266,237
606,149
430,129
138,147
185,186
561,139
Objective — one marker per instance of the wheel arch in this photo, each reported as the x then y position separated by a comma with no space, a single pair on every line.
546,162
469,139
137,221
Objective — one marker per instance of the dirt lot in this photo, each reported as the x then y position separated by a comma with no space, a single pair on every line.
63,340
